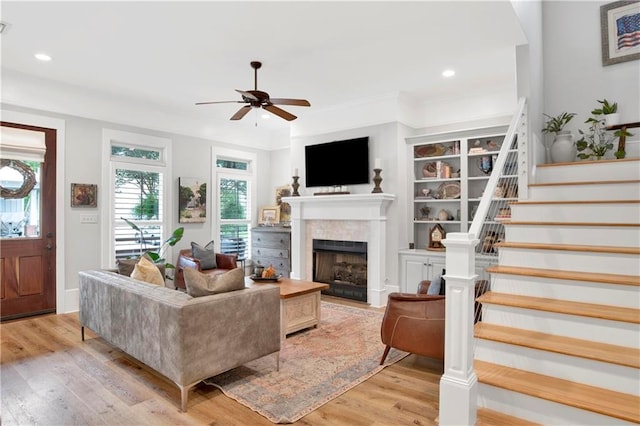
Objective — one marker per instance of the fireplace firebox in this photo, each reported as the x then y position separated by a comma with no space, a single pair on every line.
342,265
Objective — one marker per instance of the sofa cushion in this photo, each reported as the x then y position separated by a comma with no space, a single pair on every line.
199,284
145,270
125,266
205,255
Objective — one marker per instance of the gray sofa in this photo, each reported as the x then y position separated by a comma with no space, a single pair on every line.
186,339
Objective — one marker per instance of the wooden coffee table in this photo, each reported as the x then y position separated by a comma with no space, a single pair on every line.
299,304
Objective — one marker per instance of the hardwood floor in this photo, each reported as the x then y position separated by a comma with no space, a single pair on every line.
50,377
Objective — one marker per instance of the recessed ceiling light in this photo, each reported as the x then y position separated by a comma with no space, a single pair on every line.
448,73
42,57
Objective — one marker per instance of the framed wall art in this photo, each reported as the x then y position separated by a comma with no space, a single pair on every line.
192,200
84,195
269,215
620,31
285,208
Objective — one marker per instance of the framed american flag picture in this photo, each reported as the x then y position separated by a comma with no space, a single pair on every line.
620,31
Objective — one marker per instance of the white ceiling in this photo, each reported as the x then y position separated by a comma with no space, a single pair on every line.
165,56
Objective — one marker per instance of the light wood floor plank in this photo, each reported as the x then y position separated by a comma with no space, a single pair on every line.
51,377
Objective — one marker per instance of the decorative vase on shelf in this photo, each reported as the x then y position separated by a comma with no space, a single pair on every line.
611,119
563,149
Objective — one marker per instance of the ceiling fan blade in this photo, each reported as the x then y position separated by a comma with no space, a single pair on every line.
284,101
241,112
247,95
220,102
279,112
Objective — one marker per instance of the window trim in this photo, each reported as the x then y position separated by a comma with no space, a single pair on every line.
216,173
137,140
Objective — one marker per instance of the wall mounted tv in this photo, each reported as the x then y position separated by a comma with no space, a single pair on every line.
344,162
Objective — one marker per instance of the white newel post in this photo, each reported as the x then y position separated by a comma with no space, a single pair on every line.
459,384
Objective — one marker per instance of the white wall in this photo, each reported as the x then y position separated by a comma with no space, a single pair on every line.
83,164
574,77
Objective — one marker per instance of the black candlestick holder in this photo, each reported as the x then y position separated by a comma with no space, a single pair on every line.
295,185
377,179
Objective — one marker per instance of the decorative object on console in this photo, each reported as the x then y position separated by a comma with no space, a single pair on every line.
436,235
192,198
295,185
269,215
618,22
377,179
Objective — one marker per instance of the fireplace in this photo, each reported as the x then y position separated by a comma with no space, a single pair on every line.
342,265
348,217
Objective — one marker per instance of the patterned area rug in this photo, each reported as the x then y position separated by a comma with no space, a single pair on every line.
316,366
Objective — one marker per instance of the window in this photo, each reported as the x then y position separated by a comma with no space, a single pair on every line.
137,182
234,181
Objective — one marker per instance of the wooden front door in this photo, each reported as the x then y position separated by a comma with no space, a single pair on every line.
27,245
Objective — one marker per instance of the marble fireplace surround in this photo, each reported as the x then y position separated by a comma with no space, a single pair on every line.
346,217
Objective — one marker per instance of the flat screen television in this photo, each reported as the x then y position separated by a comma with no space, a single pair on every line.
344,162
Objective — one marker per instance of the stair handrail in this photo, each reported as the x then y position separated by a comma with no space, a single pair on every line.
498,166
459,383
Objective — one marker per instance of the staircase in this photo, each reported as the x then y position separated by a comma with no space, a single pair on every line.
559,340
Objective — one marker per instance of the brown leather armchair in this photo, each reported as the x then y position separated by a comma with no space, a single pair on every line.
414,323
224,262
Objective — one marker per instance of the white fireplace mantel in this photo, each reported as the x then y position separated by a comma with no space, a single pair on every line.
345,208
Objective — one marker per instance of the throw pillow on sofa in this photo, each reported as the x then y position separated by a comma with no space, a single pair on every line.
205,255
145,270
125,266
199,284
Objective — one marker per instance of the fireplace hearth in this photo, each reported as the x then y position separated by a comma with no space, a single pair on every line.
342,265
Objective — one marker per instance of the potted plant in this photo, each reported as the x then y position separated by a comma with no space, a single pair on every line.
609,111
596,142
157,256
562,149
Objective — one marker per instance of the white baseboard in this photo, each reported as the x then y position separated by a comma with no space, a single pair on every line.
71,301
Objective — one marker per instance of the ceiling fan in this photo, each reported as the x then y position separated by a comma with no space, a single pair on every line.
259,99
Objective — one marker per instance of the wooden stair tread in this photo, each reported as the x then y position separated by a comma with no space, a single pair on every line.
604,352
487,417
535,202
585,224
571,247
586,182
592,310
603,401
633,280
586,163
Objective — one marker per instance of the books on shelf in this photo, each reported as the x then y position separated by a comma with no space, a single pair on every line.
477,150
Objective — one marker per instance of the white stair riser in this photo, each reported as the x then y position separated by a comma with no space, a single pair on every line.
619,191
606,263
577,291
580,370
540,410
611,236
589,171
597,213
598,330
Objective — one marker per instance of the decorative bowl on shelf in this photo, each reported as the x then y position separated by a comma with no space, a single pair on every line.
429,170
448,190
430,150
